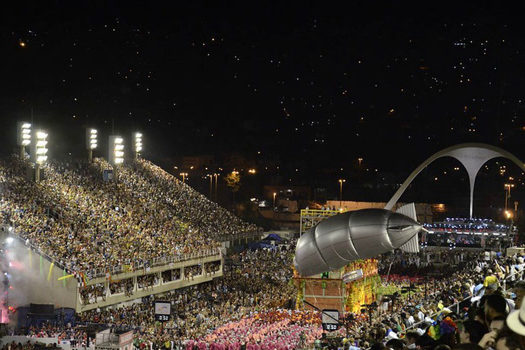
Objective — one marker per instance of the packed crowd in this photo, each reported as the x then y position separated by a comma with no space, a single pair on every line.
28,346
187,204
83,222
422,319
280,329
425,263
256,283
252,307
74,335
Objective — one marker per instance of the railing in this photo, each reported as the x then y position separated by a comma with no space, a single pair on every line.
520,277
234,236
101,271
456,305
137,264
319,212
311,217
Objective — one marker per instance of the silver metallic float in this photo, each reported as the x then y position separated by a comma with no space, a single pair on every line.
353,235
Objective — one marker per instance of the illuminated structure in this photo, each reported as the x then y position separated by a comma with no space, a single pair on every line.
341,181
116,150
334,265
23,136
471,155
91,142
344,289
137,143
39,151
355,235
466,232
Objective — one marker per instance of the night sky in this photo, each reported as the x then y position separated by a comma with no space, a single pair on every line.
308,89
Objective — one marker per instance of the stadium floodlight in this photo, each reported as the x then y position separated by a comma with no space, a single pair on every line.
91,142
116,150
23,136
137,143
91,139
39,151
40,147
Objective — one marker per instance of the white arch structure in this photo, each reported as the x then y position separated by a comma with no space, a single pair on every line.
471,155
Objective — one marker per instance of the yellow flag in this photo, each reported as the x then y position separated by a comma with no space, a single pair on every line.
50,270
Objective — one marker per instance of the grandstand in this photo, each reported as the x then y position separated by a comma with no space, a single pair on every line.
468,233
86,242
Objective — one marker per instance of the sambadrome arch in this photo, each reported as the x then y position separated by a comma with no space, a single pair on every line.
471,155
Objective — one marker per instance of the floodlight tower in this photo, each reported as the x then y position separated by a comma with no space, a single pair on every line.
116,150
23,137
91,142
137,144
39,151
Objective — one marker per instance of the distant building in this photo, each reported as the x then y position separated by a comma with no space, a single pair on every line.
290,192
425,211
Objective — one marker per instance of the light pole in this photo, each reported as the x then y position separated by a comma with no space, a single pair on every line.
39,151
508,216
116,153
341,181
274,194
137,144
507,194
211,183
91,142
23,137
216,176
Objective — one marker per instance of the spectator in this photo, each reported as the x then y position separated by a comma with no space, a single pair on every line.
516,323
471,332
495,309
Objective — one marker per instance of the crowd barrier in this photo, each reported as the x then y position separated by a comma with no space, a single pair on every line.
455,307
23,339
128,266
138,265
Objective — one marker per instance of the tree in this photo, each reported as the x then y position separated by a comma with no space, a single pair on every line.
233,181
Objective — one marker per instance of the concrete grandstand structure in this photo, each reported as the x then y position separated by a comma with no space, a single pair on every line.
142,241
43,281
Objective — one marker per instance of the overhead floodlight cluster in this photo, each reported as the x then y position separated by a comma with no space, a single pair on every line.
24,134
40,147
116,150
119,150
138,142
91,139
